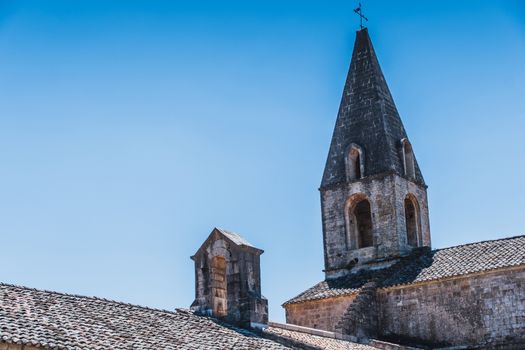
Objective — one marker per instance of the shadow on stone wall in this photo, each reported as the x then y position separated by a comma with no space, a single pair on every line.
362,318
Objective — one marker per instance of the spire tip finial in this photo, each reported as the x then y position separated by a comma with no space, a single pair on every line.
359,12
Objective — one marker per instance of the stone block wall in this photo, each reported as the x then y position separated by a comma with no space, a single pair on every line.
320,314
360,318
487,308
228,281
386,194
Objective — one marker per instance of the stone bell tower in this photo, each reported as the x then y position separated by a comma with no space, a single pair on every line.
373,196
228,280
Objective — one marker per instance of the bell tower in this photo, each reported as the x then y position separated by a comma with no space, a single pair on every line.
373,195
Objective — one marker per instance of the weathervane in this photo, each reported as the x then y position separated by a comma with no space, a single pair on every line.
361,16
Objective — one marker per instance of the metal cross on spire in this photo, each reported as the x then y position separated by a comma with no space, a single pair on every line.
361,16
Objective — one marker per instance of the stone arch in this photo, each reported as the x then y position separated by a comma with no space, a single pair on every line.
354,162
360,232
408,159
412,221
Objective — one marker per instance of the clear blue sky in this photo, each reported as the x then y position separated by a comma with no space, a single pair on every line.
129,129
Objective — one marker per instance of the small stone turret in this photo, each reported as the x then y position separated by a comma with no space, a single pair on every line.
228,280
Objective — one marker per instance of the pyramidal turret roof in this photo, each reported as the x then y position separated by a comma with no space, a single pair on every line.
367,117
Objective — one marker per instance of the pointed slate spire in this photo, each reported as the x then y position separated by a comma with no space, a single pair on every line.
368,118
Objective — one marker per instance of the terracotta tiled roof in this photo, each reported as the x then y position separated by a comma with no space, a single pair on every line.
316,340
70,322
61,321
426,265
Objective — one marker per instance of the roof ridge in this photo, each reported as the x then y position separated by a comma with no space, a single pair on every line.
479,242
178,311
303,329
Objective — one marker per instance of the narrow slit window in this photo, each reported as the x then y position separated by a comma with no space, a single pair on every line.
354,165
413,221
357,165
408,156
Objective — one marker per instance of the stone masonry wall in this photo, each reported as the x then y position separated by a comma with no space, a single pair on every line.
480,309
321,314
228,282
360,319
386,195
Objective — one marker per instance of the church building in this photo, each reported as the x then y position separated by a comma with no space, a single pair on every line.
384,287
382,279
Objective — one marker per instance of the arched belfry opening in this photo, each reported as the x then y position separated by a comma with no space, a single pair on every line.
363,222
354,163
359,223
413,227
